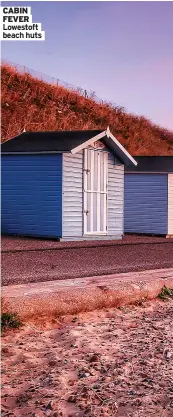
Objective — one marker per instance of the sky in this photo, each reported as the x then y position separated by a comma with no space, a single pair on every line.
121,50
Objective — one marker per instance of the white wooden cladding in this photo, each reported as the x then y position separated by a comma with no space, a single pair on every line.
170,204
73,198
95,191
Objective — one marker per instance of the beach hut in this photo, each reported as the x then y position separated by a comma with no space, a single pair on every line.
67,185
149,196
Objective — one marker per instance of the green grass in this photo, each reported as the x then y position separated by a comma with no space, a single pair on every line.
166,293
10,321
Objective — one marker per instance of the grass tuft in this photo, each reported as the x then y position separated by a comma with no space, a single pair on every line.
166,293
10,321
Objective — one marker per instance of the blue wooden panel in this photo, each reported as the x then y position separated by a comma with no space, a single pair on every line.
146,203
32,195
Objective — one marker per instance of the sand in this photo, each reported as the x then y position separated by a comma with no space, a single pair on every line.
115,362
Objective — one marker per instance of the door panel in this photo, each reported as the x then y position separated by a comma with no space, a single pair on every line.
95,192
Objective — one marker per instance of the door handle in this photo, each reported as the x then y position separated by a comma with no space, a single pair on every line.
86,212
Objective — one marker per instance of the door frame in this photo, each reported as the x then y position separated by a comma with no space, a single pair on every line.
85,191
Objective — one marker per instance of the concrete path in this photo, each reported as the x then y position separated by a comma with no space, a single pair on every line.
72,296
25,261
20,244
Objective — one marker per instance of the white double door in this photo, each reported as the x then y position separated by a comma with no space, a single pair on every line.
95,191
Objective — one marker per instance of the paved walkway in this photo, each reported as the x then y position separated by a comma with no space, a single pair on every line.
15,244
32,260
84,294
